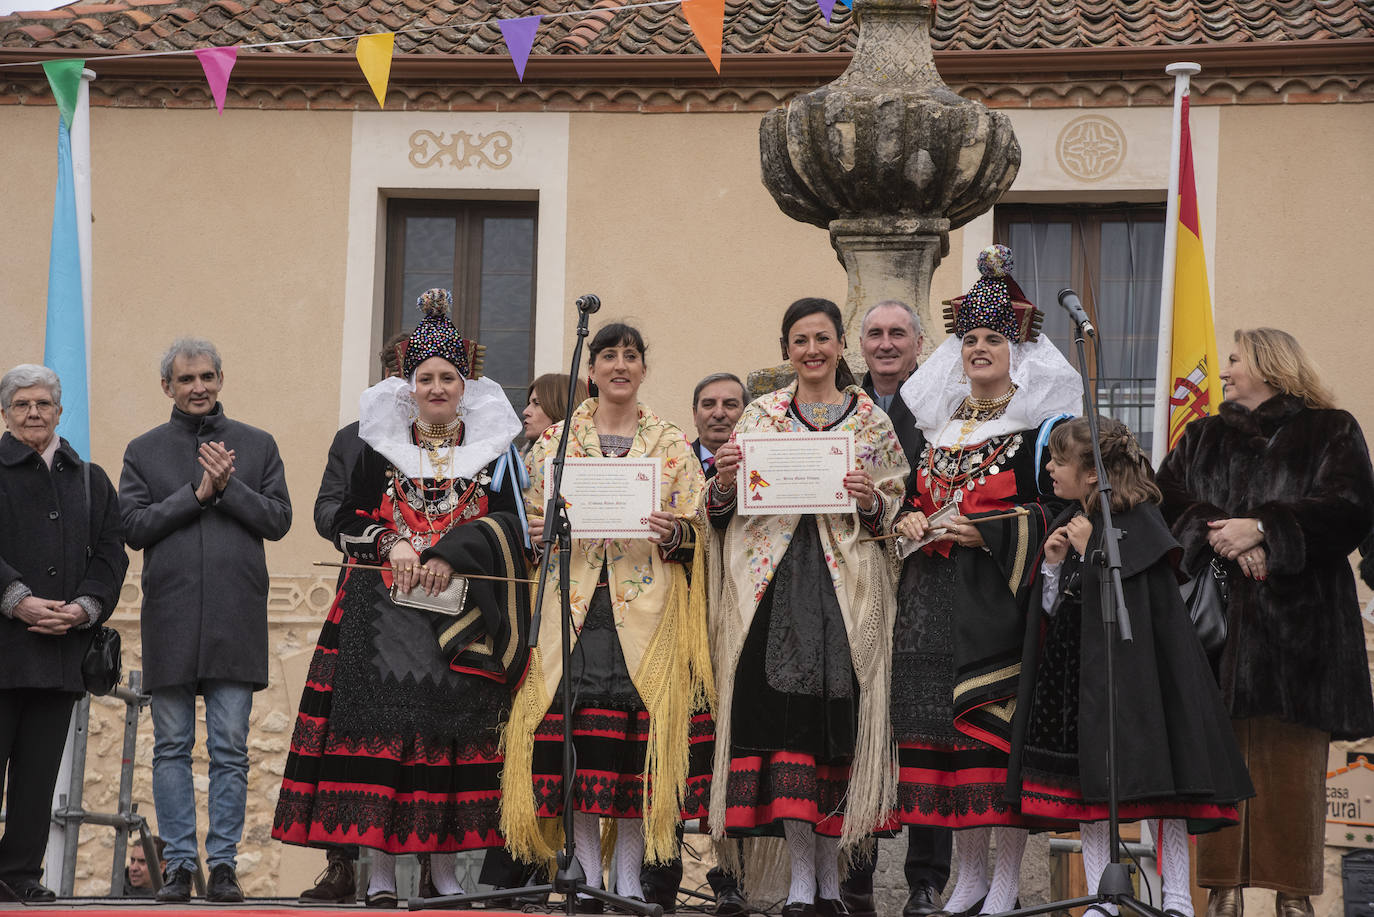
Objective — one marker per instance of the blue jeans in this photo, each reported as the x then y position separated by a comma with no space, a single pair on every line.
227,705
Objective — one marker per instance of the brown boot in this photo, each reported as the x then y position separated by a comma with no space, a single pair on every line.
1226,902
336,885
1292,906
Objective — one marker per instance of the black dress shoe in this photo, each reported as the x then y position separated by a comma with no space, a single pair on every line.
798,909
664,898
336,885
176,887
6,893
224,885
730,902
860,904
831,907
33,893
922,902
589,905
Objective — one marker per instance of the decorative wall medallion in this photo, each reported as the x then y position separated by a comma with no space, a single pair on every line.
462,149
1091,148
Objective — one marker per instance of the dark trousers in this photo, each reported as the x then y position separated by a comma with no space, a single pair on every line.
928,853
33,731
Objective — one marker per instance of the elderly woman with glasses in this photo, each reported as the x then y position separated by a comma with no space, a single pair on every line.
62,563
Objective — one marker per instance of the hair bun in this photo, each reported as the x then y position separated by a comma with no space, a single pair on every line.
995,261
435,303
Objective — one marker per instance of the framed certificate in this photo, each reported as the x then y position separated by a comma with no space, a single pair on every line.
794,473
607,497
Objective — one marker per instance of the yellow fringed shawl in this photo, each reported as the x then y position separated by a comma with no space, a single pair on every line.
662,628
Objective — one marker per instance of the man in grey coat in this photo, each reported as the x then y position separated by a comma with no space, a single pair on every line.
199,495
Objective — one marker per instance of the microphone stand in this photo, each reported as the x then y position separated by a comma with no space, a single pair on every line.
1114,887
569,880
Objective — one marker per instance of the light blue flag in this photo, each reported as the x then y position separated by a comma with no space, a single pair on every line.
64,350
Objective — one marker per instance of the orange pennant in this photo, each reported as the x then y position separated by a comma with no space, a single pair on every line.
707,19
374,56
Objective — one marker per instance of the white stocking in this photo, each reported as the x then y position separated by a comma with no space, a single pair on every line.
801,845
442,868
972,885
587,844
827,867
629,857
1006,873
1173,860
383,877
1096,837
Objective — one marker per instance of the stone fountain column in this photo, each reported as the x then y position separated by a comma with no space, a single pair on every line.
889,160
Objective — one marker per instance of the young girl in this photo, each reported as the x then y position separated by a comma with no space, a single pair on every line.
1176,754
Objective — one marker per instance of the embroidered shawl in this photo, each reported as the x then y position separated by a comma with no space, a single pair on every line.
742,561
660,622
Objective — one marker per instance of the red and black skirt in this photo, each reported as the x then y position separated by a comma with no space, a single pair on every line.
392,749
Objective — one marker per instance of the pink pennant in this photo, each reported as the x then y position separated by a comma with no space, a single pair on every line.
827,7
217,63
519,36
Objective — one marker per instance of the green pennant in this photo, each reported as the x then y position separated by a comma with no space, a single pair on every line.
64,76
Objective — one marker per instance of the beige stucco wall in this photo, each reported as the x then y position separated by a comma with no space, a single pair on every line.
244,227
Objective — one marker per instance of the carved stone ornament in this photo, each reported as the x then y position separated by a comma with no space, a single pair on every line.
889,159
428,149
1091,148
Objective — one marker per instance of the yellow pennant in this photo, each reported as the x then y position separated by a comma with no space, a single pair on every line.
374,56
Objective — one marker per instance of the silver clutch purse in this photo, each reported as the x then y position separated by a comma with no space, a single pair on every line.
449,602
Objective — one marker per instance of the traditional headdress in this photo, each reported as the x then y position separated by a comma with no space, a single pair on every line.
437,336
995,301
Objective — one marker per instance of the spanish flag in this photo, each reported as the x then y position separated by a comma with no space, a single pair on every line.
1196,387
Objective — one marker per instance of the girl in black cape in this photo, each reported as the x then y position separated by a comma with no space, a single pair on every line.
1177,757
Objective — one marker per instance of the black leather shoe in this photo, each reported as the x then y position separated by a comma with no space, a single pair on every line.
176,887
336,885
664,898
589,905
6,893
33,893
386,898
798,909
860,904
224,885
730,902
831,907
922,902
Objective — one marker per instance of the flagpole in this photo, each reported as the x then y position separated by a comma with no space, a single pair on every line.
60,867
1182,72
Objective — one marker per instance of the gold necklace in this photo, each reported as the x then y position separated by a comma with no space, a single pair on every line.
981,410
439,431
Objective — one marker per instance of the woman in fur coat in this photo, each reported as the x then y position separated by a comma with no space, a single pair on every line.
1279,486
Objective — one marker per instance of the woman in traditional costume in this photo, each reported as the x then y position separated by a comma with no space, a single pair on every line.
396,743
640,666
985,402
802,607
1176,758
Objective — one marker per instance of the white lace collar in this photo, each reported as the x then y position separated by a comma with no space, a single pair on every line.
386,412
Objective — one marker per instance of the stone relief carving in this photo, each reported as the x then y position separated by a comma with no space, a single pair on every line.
291,598
1091,148
429,149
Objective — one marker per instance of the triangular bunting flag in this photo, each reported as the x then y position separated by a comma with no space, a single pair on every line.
217,63
64,76
707,19
519,36
374,56
844,3
827,7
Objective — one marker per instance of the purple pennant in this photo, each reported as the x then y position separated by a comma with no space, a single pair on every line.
217,63
519,36
827,7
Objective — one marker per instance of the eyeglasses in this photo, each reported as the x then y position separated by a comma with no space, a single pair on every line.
22,407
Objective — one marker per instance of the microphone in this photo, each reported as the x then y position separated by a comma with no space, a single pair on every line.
588,304
1069,300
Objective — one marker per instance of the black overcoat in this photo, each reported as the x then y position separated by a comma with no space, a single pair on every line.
46,527
1295,647
204,567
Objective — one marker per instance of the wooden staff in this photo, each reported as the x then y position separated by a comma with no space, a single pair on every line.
1019,511
495,579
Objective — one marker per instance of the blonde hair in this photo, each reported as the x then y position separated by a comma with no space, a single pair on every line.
1127,466
1279,360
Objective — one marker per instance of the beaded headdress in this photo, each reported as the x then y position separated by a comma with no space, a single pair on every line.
995,301
437,336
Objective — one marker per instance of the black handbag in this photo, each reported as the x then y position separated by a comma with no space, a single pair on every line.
103,665
1205,596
